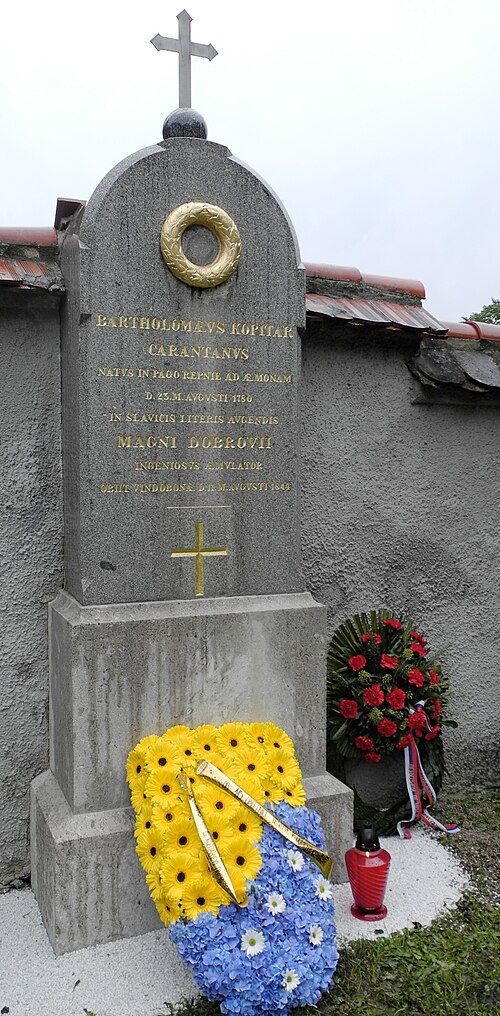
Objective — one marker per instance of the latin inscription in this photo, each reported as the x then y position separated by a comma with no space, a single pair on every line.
156,430
146,323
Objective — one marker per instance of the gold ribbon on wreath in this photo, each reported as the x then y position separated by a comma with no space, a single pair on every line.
215,775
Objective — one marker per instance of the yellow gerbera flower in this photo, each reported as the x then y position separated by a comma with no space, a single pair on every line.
156,888
178,873
184,838
243,862
285,770
219,827
296,796
149,847
162,753
135,768
203,896
231,738
252,760
144,818
212,801
168,910
162,786
245,823
164,818
273,794
204,738
138,799
278,738
146,743
258,733
136,761
182,742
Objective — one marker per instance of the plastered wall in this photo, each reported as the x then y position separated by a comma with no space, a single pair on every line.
401,509
30,557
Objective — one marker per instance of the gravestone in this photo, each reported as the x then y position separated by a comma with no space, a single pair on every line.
184,598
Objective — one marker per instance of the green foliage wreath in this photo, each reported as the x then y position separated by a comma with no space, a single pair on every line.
378,670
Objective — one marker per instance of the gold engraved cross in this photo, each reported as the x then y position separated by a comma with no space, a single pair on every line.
199,552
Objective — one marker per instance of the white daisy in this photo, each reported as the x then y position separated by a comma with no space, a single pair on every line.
291,980
316,934
275,903
323,888
295,860
253,942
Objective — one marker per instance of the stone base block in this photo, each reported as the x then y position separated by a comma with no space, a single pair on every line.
334,803
86,875
118,673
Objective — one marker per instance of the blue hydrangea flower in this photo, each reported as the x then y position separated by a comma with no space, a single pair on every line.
254,985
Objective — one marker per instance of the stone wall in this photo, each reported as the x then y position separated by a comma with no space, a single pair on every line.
400,510
30,555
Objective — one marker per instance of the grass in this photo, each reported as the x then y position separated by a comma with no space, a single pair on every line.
451,967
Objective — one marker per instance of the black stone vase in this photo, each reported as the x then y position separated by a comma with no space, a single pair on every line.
380,792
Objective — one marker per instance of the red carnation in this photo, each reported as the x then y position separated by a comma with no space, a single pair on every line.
371,756
363,743
433,677
373,696
387,727
371,636
433,733
436,705
417,721
396,698
416,677
417,649
357,662
348,708
419,638
388,662
404,741
393,623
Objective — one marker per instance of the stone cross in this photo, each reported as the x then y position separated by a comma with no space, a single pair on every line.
199,552
186,49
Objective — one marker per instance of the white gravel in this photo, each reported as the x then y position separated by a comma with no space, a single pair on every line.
140,976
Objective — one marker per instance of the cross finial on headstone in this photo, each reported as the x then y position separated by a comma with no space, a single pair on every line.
186,49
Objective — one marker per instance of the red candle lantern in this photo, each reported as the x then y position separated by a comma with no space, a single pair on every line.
368,869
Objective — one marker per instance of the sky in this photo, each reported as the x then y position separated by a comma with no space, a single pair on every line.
376,122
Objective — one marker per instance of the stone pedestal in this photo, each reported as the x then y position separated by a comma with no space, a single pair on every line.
120,672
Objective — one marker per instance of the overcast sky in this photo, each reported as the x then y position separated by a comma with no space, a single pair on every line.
377,122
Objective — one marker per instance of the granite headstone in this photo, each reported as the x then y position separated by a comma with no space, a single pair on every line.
184,599
182,402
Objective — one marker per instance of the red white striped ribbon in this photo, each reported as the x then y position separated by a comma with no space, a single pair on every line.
415,775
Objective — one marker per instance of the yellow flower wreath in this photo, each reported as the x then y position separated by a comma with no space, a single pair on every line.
259,757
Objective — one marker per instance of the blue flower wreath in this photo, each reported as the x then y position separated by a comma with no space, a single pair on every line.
279,952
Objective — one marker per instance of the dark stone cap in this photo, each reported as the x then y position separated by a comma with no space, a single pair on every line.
184,123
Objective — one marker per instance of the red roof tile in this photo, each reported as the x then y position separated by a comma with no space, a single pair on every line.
30,274
472,330
335,273
378,312
28,236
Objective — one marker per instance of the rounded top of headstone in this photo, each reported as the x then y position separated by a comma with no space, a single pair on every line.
184,123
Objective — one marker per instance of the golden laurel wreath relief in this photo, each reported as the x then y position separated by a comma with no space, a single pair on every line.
197,213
